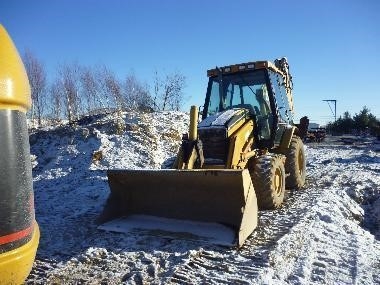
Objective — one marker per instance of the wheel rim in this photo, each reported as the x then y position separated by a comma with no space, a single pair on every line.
278,181
301,161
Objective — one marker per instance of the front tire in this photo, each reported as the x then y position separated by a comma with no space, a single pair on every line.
268,178
295,164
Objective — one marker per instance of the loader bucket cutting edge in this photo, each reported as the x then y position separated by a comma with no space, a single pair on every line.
215,196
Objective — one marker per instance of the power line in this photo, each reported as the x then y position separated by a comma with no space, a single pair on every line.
332,101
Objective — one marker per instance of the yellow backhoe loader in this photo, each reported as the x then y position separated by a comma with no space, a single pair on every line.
239,158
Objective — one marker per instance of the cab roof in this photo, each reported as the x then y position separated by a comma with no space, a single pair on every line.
241,67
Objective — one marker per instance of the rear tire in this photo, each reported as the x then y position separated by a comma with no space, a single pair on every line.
268,178
295,164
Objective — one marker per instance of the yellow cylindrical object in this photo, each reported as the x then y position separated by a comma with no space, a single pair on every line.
14,84
19,232
193,134
15,265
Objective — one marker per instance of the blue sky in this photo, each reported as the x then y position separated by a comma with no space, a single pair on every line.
333,47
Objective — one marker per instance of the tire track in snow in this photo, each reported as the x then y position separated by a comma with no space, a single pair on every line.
321,257
251,262
313,265
294,227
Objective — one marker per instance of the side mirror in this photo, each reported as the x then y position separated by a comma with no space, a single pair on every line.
200,111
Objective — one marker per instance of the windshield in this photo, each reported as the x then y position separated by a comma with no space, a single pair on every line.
239,90
242,90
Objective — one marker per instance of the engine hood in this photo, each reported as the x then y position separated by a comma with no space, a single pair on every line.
226,119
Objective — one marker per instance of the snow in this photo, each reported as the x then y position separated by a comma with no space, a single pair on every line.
217,120
326,233
205,232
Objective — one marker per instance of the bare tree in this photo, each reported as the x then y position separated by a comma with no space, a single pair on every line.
176,83
69,76
91,88
110,87
103,98
137,95
77,90
157,87
37,80
170,91
56,99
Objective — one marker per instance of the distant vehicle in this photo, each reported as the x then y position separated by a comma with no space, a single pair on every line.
316,135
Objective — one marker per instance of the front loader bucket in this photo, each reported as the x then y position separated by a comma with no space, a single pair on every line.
215,196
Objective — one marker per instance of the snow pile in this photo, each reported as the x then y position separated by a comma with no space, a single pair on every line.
70,166
300,258
327,233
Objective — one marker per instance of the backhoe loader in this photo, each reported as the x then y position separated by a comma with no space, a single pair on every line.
241,156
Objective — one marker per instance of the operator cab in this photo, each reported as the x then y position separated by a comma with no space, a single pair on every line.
253,87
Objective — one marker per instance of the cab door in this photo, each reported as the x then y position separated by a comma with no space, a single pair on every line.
285,117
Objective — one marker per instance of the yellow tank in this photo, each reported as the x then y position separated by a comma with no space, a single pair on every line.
19,233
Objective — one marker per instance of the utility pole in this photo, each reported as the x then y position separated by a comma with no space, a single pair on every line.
332,101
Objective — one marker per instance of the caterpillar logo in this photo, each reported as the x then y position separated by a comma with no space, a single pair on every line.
19,233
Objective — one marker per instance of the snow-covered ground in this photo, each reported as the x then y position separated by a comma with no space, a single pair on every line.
326,233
